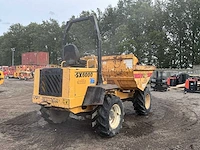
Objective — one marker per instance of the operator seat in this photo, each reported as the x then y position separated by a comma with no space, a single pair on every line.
71,55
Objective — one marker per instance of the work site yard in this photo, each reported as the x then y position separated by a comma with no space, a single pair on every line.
173,124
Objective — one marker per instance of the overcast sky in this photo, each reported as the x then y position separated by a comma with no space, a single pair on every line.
26,11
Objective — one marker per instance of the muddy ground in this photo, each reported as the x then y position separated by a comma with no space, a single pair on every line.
173,124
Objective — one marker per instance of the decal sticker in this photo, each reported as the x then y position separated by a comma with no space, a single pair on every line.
83,74
92,80
81,81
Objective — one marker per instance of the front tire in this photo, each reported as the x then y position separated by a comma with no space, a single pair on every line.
142,101
107,119
53,116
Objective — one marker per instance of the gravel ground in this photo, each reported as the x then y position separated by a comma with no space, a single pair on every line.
173,124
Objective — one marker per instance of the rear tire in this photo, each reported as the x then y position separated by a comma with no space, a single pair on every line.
107,119
142,102
53,116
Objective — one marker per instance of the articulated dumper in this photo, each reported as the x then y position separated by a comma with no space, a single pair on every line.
93,84
1,77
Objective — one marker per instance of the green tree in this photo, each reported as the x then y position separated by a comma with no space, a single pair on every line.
183,31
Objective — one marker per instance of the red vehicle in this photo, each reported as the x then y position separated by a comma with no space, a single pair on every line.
192,85
11,72
172,81
25,75
5,70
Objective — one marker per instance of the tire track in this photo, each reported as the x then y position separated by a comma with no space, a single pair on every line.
172,124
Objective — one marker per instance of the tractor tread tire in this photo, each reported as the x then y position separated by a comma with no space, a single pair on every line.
139,102
45,115
100,117
54,116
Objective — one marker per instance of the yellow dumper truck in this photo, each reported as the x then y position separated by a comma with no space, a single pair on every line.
1,77
97,85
